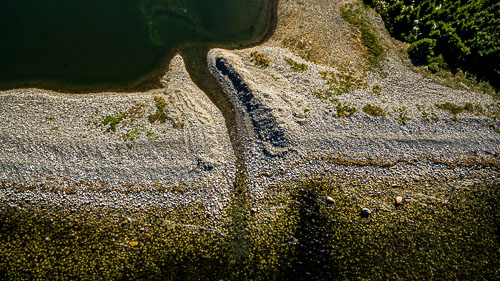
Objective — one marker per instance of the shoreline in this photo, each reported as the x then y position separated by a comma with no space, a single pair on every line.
156,171
302,123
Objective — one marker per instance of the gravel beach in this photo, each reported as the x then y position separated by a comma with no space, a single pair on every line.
332,165
170,147
60,150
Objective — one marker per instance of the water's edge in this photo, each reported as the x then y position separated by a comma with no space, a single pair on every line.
196,62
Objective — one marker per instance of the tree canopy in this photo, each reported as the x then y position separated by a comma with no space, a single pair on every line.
457,34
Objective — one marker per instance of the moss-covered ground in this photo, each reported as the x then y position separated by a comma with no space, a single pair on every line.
295,233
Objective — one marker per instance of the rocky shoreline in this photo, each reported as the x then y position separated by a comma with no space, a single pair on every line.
156,171
61,147
306,137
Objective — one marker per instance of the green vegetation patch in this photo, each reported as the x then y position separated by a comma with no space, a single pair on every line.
459,34
374,110
297,67
492,111
356,15
343,81
112,120
344,110
133,113
134,133
402,114
338,83
161,112
260,59
427,112
327,95
377,90
130,121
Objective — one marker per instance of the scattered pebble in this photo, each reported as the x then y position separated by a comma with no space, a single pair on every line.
398,201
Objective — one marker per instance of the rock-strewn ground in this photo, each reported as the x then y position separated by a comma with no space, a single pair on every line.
122,185
306,135
299,110
171,145
173,141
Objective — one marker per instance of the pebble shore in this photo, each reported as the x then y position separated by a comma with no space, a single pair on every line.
58,148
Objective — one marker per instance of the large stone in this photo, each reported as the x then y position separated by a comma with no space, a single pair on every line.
330,200
365,212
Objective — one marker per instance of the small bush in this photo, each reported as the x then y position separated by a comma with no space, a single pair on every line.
112,121
424,110
344,110
374,110
403,114
377,90
329,95
297,67
477,109
437,63
160,114
343,81
451,107
260,59
422,51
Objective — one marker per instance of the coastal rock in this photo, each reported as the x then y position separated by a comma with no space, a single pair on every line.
205,164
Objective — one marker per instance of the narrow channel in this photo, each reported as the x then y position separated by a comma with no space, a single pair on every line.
196,61
196,64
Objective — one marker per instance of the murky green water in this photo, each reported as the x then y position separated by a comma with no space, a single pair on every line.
121,44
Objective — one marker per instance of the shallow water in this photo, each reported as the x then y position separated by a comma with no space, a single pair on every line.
83,44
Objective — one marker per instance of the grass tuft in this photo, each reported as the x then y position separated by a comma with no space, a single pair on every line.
112,121
374,110
297,67
356,15
260,59
344,110
161,113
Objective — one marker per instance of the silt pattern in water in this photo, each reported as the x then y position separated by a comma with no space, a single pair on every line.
115,43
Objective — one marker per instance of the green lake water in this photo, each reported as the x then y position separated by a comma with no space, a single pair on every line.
85,45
